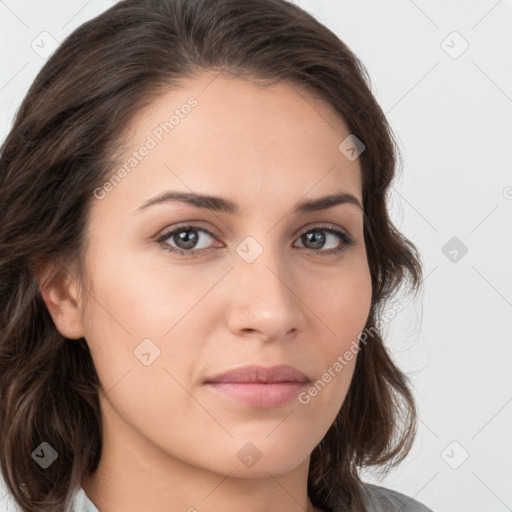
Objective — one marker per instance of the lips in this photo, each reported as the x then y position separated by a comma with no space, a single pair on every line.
259,387
260,374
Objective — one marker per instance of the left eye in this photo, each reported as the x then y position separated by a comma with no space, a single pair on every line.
186,238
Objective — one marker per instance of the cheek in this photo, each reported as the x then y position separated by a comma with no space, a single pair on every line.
141,313
343,301
343,307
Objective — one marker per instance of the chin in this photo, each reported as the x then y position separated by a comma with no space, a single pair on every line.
254,459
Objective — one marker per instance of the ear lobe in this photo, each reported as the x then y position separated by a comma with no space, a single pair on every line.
60,294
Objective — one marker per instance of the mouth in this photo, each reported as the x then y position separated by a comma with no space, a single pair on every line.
259,387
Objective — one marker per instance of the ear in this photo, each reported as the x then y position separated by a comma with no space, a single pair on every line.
60,292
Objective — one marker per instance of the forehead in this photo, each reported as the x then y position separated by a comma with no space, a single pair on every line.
232,137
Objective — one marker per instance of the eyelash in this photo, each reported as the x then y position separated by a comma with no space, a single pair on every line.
345,238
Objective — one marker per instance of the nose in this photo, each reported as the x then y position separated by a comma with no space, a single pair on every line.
266,300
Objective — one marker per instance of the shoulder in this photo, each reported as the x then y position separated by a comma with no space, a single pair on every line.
381,499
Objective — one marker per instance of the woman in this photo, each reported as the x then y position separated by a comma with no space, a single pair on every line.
196,257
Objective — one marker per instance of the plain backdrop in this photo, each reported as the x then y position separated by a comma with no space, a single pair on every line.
441,72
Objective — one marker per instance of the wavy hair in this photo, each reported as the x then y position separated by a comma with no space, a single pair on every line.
64,140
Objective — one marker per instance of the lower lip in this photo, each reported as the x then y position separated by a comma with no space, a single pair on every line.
259,394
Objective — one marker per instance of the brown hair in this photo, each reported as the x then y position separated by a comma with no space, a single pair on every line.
61,146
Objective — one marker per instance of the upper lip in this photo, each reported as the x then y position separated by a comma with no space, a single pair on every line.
253,373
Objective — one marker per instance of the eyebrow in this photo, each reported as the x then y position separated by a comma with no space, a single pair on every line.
219,204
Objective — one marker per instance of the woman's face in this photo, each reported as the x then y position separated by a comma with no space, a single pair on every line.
258,286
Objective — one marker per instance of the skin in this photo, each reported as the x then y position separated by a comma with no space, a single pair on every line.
169,443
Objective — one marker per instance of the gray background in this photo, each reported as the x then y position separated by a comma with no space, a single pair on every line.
451,108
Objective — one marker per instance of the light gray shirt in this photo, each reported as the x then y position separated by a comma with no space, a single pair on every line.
380,499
